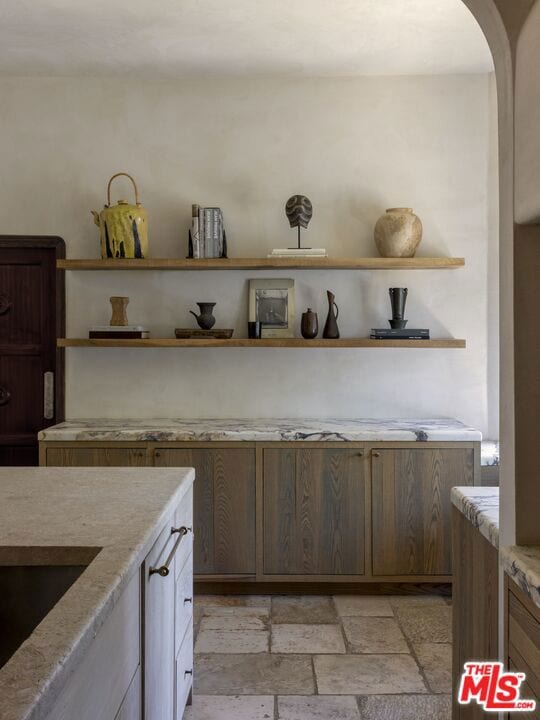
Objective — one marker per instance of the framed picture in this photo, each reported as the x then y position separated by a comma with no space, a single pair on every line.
271,302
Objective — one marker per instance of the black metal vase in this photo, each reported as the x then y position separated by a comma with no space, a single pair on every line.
398,299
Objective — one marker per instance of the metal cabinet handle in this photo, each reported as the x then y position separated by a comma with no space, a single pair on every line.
5,396
188,600
157,454
376,454
163,570
188,672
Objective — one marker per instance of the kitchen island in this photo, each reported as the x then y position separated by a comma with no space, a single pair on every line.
78,553
299,500
477,558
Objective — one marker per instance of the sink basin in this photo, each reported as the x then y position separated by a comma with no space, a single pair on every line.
32,581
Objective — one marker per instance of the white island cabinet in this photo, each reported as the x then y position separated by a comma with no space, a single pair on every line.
143,655
168,619
116,643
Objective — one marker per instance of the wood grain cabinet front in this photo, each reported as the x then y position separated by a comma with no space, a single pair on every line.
314,508
68,456
411,508
224,506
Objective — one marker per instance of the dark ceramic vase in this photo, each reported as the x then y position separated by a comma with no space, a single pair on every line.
331,330
205,320
310,325
398,298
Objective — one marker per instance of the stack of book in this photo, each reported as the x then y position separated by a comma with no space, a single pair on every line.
404,334
298,252
207,237
118,332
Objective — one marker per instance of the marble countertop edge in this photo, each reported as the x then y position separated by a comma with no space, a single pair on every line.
480,505
261,430
522,564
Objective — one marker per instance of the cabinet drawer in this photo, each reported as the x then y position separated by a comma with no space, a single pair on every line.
183,601
184,673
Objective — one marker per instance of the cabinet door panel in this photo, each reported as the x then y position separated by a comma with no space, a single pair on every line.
314,503
96,457
224,506
411,508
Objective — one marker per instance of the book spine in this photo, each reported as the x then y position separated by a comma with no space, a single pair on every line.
215,232
208,232
201,232
195,239
220,243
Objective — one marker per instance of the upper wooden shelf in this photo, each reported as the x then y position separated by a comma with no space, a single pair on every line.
373,263
440,343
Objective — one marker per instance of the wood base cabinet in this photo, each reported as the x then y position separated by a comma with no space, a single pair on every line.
224,506
522,641
411,508
314,510
475,607
309,511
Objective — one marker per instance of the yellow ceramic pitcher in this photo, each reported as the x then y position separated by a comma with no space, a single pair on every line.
123,228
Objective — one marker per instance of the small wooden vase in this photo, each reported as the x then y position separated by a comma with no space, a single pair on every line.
119,314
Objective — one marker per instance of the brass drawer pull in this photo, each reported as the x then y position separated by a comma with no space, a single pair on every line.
163,570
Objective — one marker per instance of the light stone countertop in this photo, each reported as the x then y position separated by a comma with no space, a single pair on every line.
48,512
523,565
480,505
261,430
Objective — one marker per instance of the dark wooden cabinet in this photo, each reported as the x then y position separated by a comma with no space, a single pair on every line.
411,508
314,509
224,506
67,456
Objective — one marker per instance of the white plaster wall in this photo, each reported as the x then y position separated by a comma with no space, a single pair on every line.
354,146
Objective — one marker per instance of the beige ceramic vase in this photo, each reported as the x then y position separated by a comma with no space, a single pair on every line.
398,233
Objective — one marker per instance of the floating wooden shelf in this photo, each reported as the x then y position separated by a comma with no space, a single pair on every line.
373,263
264,343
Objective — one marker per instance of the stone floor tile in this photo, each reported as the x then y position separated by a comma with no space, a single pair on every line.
365,605
234,600
414,600
227,707
436,661
234,622
261,674
303,609
312,639
374,635
235,611
317,707
232,641
426,623
406,707
367,674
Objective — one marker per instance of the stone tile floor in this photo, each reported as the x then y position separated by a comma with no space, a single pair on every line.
348,657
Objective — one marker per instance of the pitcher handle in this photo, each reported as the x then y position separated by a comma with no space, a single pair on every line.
137,201
337,309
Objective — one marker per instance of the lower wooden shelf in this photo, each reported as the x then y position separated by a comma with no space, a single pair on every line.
441,343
